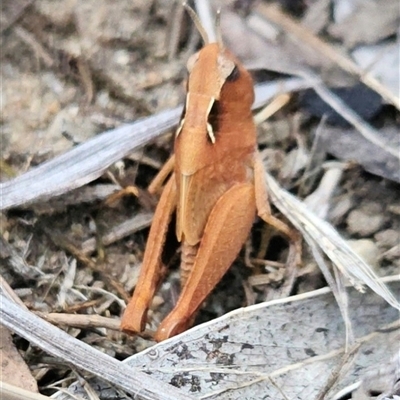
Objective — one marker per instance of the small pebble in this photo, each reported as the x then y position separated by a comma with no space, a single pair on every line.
387,238
157,301
394,208
367,250
122,57
364,223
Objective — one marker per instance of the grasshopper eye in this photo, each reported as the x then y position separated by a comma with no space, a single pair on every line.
225,67
234,75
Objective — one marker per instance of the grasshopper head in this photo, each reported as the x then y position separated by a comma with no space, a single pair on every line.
217,115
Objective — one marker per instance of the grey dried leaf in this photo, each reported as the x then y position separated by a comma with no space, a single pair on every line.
383,379
257,51
292,344
258,54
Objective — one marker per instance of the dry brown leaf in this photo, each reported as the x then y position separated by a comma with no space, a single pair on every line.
13,369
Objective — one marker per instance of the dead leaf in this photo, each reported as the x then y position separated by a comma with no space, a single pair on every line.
13,367
383,379
288,347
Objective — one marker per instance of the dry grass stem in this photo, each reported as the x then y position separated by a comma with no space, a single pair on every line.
39,50
274,106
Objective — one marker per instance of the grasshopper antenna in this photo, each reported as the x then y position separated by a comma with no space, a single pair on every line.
197,22
218,29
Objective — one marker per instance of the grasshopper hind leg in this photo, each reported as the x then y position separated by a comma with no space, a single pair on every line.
226,231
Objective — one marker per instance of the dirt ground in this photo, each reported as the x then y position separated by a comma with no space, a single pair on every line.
70,70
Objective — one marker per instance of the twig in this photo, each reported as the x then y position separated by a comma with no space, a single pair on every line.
7,291
275,105
81,321
86,78
319,200
81,306
12,12
28,38
88,321
87,387
278,388
366,130
174,29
